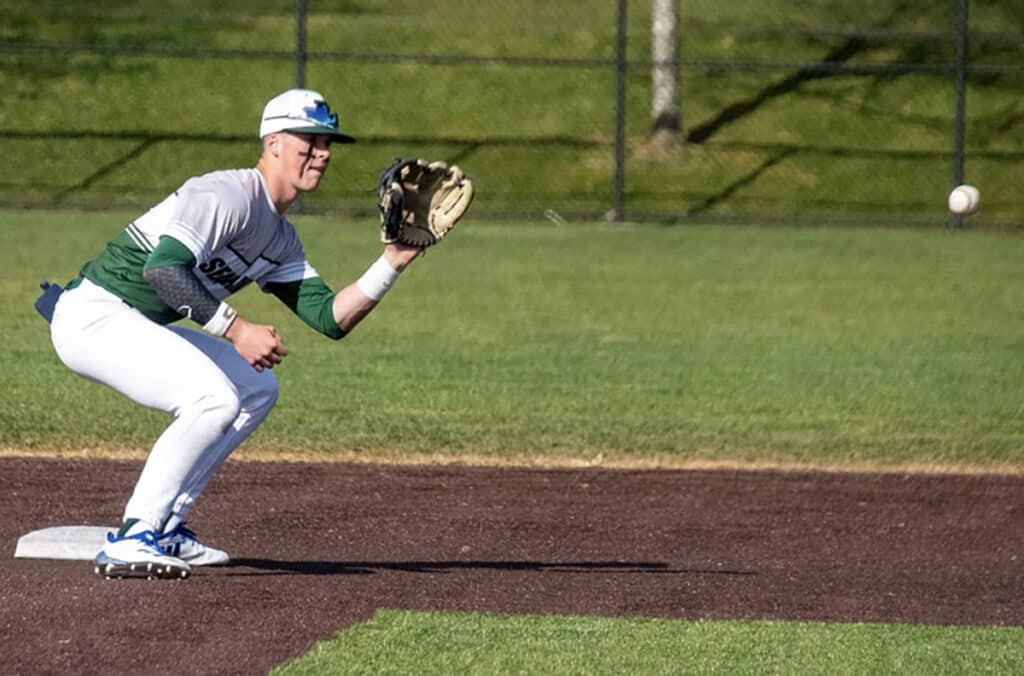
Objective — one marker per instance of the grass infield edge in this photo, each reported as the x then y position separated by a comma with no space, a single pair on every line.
525,460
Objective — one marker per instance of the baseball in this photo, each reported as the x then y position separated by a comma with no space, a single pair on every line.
964,199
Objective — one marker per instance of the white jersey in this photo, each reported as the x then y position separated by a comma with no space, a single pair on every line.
229,223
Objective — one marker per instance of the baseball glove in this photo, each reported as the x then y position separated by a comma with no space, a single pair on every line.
420,201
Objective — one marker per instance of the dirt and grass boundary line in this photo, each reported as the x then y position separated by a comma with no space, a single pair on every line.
539,460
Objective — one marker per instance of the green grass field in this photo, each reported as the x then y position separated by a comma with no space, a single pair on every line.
396,642
635,344
108,128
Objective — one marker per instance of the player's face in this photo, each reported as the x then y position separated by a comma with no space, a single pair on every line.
306,157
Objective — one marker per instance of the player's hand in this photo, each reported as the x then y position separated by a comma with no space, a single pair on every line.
258,344
399,255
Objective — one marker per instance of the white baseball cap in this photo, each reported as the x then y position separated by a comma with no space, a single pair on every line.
303,111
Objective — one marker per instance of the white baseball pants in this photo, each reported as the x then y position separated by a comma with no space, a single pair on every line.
217,399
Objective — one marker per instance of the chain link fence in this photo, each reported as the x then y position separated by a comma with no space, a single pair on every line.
783,111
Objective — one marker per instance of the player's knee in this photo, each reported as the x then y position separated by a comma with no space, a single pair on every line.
266,393
220,407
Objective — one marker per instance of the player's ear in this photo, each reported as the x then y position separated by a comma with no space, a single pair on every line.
272,144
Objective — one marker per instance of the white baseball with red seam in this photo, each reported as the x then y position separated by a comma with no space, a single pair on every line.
964,199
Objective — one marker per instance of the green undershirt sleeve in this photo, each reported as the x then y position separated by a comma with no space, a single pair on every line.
170,251
312,301
169,271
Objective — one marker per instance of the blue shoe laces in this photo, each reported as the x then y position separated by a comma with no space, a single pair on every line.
147,537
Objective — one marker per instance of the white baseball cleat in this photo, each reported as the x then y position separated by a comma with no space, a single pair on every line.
138,556
183,544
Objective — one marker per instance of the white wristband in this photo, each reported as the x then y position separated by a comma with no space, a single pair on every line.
221,321
376,281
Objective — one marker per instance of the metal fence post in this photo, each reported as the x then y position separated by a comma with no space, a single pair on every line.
961,102
620,114
300,68
300,45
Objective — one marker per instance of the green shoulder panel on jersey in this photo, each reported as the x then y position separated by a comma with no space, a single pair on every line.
118,269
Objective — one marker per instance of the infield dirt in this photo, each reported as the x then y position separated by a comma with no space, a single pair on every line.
319,547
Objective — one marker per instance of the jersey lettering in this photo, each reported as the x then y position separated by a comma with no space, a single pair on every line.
212,265
218,271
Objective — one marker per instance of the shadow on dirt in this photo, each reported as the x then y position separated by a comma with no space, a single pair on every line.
271,567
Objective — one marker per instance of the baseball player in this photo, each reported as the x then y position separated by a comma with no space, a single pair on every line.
183,259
